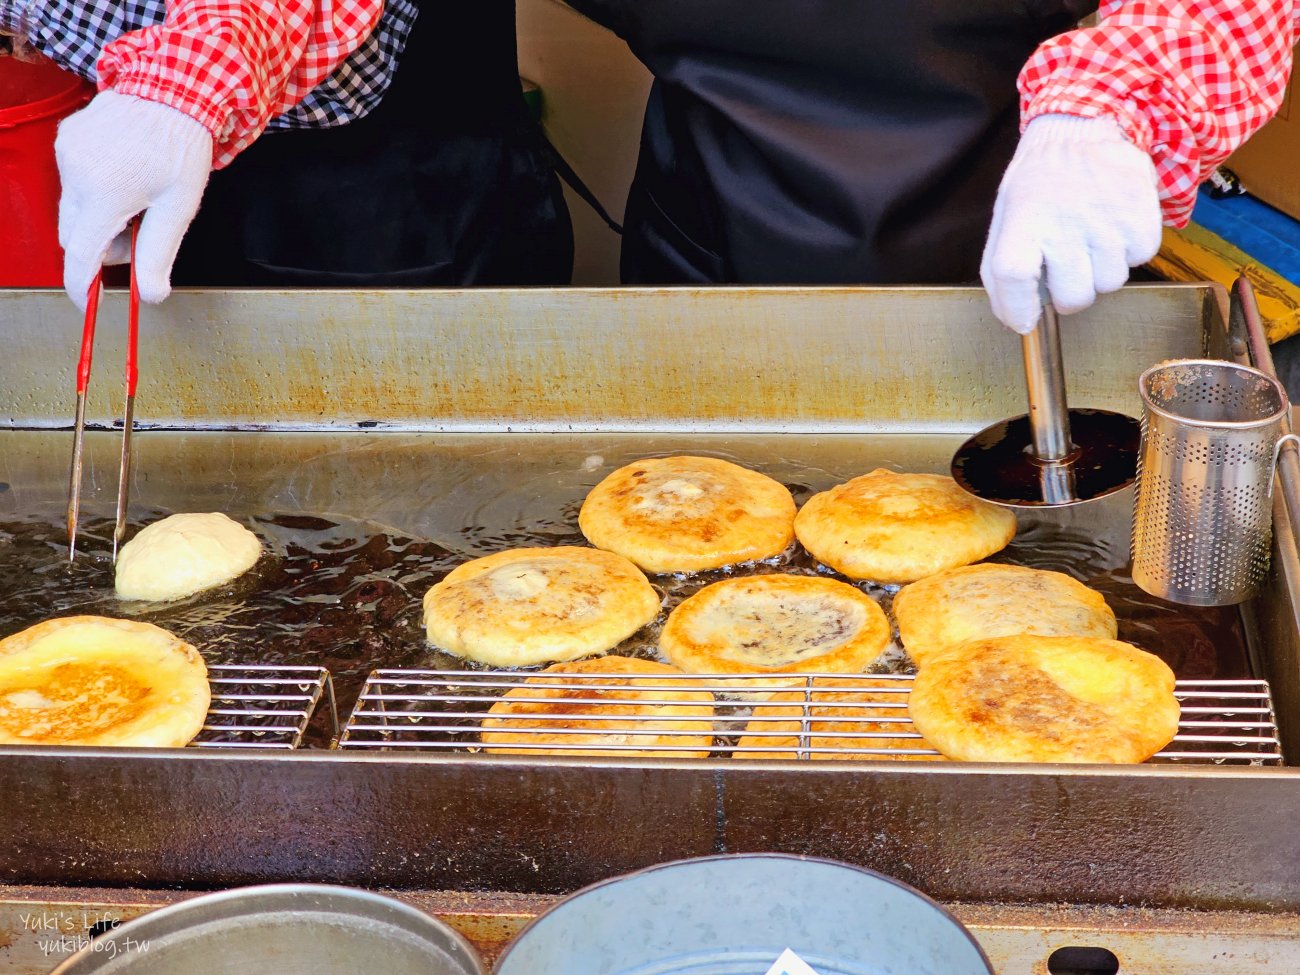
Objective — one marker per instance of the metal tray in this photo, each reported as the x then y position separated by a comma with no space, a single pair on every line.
1222,722
397,406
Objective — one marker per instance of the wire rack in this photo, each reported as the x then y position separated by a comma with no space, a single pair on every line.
264,706
753,716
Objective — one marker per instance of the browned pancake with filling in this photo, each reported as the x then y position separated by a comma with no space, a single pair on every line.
684,514
609,701
896,528
975,602
775,624
1046,699
533,605
838,720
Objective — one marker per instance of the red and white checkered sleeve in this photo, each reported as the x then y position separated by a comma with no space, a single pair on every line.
1187,80
235,64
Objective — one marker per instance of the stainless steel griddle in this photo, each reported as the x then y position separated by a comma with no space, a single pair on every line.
446,417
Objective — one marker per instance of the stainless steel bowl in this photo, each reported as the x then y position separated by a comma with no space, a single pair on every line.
740,914
289,929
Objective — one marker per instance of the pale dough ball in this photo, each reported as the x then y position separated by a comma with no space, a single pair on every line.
184,554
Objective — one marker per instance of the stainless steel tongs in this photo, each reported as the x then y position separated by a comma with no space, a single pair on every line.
83,383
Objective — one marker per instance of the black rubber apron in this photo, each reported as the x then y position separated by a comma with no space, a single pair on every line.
445,183
822,141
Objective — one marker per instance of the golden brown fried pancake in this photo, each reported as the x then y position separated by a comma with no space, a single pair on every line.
91,680
775,624
184,554
530,605
893,528
839,710
630,695
1046,699
974,602
684,514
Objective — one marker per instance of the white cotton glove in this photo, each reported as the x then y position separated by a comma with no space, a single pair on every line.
1079,197
117,157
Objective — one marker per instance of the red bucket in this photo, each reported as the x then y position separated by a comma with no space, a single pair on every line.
34,96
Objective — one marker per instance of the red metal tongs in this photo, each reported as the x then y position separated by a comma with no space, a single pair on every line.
83,383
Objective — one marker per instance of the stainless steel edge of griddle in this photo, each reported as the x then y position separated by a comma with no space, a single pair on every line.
453,378
1288,456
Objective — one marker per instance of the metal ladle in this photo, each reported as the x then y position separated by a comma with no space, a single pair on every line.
1051,456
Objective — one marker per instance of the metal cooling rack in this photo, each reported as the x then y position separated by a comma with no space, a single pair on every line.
264,706
1223,721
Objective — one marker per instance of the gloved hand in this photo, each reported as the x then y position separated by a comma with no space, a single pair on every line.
1079,197
118,156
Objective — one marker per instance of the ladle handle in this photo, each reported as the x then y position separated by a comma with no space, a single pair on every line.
1049,418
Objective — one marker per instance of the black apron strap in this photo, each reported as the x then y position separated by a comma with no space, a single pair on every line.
567,173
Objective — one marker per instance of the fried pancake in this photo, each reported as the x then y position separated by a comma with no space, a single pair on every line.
684,514
91,680
614,706
775,624
893,528
840,709
1046,699
975,602
533,605
184,554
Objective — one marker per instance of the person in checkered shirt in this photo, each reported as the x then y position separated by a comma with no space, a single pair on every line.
1122,120
868,142
783,142
330,142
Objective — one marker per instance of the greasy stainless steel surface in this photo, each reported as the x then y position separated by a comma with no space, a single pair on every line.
1288,458
41,925
1222,721
727,371
1273,616
1274,632
358,527
752,359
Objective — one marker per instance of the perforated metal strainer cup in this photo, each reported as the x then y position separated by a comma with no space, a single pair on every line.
1202,512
